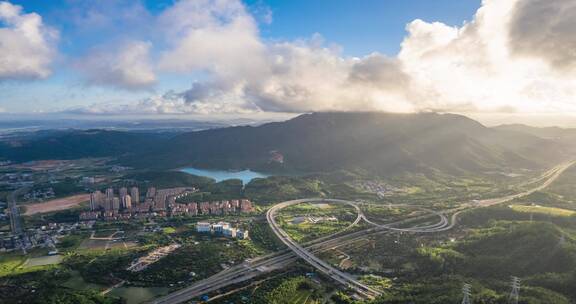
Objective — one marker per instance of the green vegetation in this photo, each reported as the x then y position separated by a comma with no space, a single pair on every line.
193,262
10,262
377,282
278,188
71,242
101,267
168,179
306,222
564,188
45,286
76,144
65,187
262,236
169,230
544,210
298,290
291,286
447,289
64,216
381,144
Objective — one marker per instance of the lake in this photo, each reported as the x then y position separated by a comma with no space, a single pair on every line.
219,175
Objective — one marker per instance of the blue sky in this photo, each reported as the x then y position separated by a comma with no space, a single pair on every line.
214,57
361,27
358,27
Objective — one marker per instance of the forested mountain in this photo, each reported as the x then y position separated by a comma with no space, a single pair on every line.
74,144
381,143
377,143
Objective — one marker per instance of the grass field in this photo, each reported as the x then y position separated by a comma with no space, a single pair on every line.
543,210
16,263
302,297
42,261
169,230
10,262
298,222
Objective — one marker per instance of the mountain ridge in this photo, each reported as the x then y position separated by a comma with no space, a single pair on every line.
376,141
379,143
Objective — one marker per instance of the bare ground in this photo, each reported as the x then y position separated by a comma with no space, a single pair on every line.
57,204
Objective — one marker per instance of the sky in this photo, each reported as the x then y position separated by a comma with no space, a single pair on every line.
491,58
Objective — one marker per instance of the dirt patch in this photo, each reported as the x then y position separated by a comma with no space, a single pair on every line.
57,204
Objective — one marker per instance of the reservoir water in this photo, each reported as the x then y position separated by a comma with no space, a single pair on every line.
219,175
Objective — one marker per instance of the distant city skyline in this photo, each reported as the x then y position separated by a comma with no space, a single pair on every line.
494,61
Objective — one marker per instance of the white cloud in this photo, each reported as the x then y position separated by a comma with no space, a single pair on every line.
218,36
480,67
26,44
170,103
125,66
547,30
222,38
513,56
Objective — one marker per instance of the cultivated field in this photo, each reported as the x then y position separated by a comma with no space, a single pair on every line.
57,204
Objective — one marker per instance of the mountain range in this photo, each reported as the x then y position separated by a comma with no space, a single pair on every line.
378,143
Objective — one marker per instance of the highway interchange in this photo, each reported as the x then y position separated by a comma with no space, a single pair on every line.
275,261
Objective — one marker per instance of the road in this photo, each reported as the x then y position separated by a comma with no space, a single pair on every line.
325,268
15,223
268,263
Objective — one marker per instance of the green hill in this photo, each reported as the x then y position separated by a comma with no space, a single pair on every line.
382,143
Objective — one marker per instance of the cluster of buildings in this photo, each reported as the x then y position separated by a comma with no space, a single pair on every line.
379,188
221,228
212,208
41,237
128,203
40,194
15,180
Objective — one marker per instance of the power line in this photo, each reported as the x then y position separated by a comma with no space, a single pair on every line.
466,293
515,293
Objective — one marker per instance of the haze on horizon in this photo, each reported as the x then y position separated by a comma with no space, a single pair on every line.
497,61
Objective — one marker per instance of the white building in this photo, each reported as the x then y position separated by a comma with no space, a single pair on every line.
230,232
203,227
220,227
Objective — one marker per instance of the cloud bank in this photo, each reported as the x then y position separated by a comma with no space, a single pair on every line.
506,59
26,44
513,56
126,66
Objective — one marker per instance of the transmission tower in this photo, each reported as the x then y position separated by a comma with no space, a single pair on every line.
515,293
562,241
466,293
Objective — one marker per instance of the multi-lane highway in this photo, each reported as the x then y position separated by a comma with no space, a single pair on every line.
325,268
265,264
268,263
